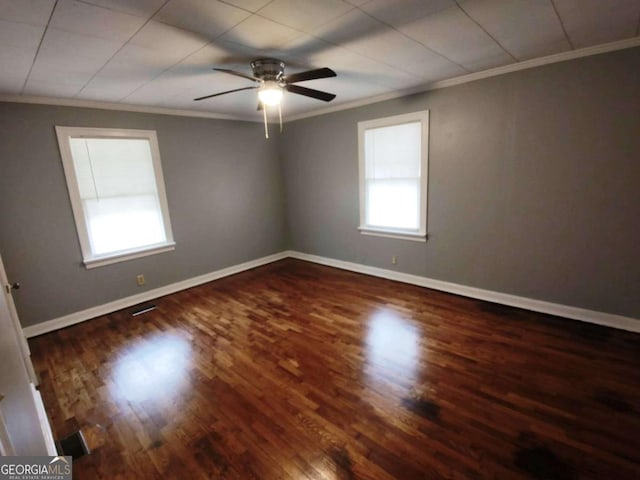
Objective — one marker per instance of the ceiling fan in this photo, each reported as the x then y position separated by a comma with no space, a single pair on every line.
268,74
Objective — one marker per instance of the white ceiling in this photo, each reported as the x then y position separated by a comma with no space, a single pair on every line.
160,52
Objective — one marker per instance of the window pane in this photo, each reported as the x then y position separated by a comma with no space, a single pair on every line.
393,152
393,203
119,196
108,167
121,223
393,168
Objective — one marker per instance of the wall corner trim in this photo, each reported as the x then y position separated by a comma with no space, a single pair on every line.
541,306
93,312
566,311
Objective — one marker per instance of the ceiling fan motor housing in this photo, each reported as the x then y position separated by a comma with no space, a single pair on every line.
268,69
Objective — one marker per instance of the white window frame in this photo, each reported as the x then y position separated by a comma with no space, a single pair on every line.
90,259
419,234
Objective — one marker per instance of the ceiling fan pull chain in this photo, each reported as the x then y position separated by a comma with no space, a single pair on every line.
280,115
264,114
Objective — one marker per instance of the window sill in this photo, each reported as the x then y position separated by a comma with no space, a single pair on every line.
125,255
390,233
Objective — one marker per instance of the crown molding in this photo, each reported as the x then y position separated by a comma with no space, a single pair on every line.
471,77
122,107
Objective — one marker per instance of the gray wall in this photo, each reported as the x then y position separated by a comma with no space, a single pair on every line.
533,190
533,184
224,189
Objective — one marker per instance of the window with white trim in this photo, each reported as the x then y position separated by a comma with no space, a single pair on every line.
393,164
117,193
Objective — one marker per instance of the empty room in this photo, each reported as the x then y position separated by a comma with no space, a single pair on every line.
320,239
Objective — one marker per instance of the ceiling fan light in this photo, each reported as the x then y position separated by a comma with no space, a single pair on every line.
270,94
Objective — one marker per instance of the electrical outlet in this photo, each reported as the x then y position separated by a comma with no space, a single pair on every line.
394,260
140,279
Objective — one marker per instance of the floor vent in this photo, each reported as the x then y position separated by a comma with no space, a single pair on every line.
74,445
143,309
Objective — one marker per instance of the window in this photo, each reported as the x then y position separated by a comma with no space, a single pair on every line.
393,176
117,193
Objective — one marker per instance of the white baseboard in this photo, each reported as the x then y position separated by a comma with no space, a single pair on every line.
93,312
574,313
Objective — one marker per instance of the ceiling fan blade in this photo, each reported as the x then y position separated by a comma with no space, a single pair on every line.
223,93
310,75
309,92
237,74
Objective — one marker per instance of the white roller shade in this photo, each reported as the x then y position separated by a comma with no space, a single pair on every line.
117,186
392,176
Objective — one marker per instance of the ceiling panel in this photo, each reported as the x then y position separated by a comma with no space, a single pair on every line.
154,49
89,53
33,12
357,2
304,15
454,35
138,62
154,92
239,56
109,88
43,77
590,22
525,28
201,62
55,73
170,40
142,8
46,87
260,33
202,86
433,66
354,26
80,17
209,18
400,12
362,69
360,33
192,73
16,61
64,72
301,49
20,34
60,43
250,5
10,84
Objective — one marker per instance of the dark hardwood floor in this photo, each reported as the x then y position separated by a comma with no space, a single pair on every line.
299,371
